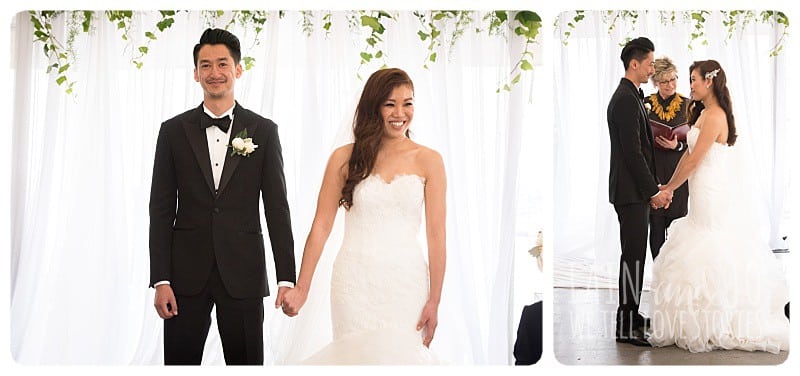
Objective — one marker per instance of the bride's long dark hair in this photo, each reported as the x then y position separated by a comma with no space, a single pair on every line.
720,89
368,127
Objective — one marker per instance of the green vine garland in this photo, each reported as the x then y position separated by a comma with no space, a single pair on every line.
433,24
734,21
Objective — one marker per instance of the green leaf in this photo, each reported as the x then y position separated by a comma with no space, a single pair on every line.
526,65
379,55
502,15
526,17
439,16
366,56
62,69
150,35
36,24
87,20
373,23
249,62
138,64
60,80
371,41
327,26
422,35
121,25
164,24
432,57
516,78
143,49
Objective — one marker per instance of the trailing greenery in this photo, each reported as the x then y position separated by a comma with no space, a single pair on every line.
437,29
734,21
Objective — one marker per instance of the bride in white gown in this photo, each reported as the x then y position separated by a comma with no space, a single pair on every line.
716,285
384,296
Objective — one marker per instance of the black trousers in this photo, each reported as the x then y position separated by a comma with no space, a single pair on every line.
240,323
658,232
633,224
528,346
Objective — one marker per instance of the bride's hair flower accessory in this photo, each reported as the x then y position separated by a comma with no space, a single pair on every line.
712,74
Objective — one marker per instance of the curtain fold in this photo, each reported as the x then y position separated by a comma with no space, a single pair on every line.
82,166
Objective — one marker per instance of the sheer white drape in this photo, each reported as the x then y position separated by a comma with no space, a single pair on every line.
82,166
588,69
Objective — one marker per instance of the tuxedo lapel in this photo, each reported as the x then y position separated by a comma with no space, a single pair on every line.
643,112
240,122
199,143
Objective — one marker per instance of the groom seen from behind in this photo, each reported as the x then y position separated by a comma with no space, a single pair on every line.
206,246
633,187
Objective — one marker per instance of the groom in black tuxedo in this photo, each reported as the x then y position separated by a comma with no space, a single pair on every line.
633,187
206,244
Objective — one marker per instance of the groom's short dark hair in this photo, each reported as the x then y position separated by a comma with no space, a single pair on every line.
636,49
219,36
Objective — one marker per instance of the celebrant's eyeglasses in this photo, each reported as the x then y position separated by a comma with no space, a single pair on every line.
667,82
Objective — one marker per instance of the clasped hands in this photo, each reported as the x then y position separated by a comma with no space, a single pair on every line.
291,299
663,199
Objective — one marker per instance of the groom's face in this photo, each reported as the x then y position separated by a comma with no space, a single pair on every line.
216,71
645,68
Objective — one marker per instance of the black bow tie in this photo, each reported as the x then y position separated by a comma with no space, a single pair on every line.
222,123
641,93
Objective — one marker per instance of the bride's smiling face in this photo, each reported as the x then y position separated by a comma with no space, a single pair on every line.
700,87
398,111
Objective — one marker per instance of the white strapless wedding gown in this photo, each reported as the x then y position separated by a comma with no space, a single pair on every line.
715,285
379,282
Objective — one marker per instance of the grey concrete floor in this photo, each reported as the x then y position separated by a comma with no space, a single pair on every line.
583,334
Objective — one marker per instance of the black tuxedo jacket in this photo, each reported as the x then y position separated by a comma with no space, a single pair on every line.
632,174
192,227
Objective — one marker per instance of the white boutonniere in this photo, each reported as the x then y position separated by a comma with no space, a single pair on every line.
648,107
242,145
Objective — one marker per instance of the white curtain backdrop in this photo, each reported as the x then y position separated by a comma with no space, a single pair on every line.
81,168
587,71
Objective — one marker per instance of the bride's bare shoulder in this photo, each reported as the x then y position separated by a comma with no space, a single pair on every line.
430,161
342,152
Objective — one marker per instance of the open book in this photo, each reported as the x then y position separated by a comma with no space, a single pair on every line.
664,130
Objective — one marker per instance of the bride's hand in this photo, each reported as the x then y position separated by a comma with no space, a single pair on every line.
428,320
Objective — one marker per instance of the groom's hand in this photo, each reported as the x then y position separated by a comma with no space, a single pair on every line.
662,199
165,303
291,300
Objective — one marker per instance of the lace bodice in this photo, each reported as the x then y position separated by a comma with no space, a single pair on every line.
384,212
710,192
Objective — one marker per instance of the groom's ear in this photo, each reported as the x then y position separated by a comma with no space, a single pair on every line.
238,70
196,76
